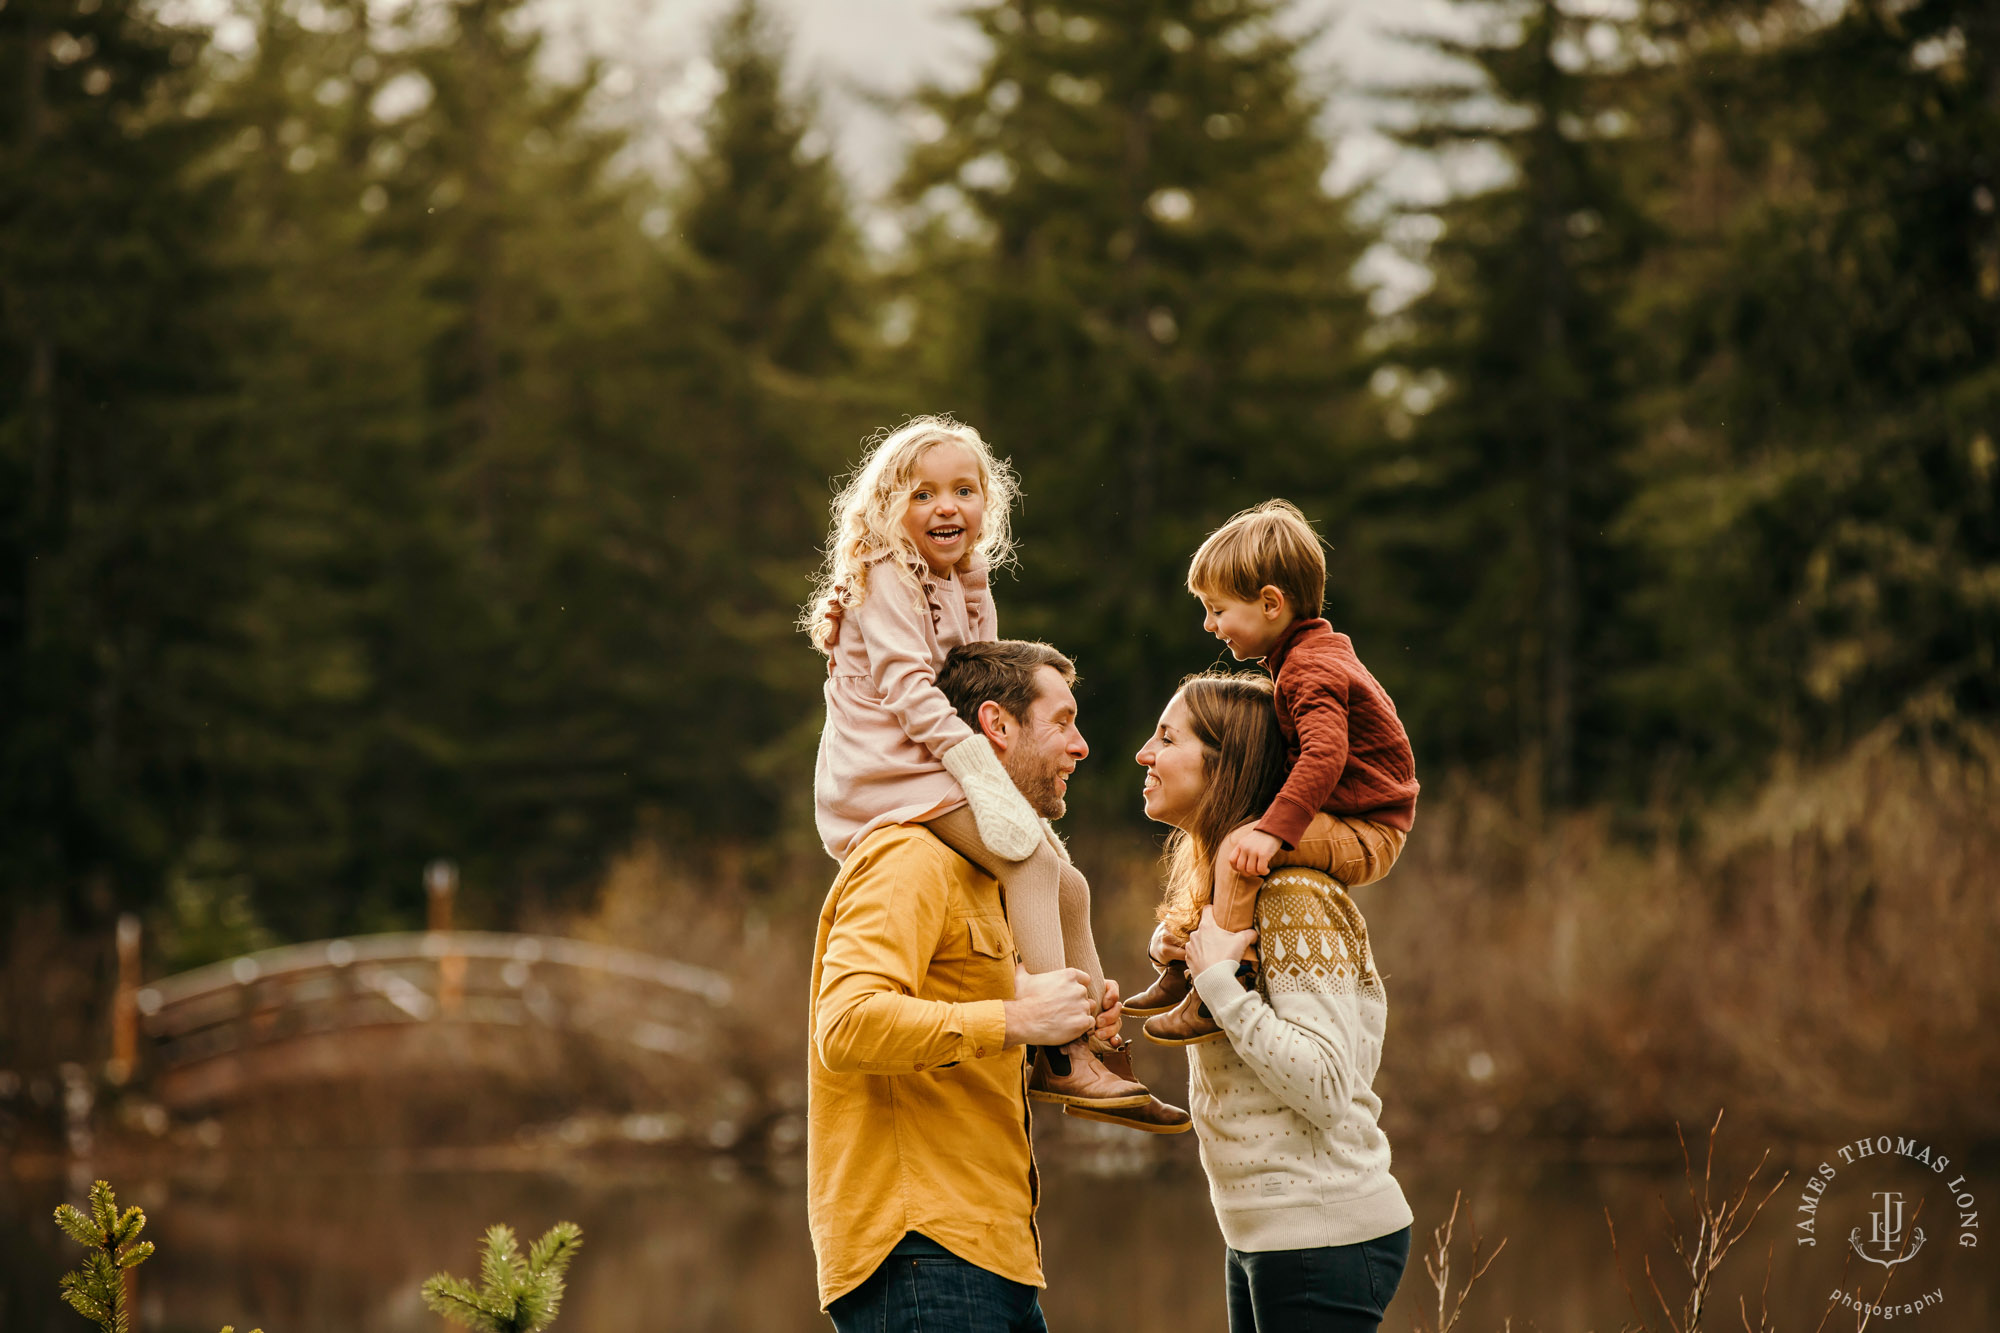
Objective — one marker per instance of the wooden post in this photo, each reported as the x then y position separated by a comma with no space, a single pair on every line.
441,884
125,1004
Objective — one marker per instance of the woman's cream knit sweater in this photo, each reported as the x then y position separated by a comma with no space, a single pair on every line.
1283,1108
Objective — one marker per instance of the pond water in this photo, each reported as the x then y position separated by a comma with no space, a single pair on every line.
340,1243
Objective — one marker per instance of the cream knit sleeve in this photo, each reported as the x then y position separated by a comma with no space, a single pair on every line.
1307,1043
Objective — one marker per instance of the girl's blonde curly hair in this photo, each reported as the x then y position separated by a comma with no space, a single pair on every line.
868,515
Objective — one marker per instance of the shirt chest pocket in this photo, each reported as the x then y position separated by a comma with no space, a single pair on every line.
975,961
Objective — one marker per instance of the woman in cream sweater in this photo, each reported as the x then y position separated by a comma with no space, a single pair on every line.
1318,1231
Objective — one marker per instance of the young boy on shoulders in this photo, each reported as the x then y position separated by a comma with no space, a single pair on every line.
1350,795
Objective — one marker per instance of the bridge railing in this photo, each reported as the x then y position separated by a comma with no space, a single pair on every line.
478,977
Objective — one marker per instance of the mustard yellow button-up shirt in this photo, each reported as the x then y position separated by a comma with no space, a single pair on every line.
917,1111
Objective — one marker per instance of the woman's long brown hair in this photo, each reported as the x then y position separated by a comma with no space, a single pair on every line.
1242,765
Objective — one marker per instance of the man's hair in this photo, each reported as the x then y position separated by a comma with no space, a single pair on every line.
1270,544
1002,672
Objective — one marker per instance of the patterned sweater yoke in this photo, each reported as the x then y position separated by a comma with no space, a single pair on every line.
1285,1108
1315,941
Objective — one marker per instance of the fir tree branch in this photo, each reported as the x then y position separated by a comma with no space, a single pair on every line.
514,1296
97,1290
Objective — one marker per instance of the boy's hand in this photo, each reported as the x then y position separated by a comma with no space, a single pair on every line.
1249,852
1166,946
1112,1016
1211,944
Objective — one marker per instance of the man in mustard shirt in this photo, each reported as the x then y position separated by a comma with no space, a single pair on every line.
921,1185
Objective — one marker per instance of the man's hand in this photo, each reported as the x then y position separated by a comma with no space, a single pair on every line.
1211,944
1048,1008
1112,1016
1167,945
1248,852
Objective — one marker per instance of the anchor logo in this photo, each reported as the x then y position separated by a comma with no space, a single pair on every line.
1886,1233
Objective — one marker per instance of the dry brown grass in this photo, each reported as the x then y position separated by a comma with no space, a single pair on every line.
749,918
1816,957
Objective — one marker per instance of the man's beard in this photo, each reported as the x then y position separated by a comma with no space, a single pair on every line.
1040,788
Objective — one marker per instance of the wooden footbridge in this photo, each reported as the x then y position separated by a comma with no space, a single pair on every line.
422,1000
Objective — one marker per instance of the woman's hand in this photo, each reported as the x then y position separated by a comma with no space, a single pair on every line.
1211,944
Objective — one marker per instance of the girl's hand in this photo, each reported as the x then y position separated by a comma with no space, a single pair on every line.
1249,852
1211,944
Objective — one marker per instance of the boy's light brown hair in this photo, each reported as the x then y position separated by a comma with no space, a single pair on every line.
1271,544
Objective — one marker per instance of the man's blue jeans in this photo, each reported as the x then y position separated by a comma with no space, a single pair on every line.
924,1288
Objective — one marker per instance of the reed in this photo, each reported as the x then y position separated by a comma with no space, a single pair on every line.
1700,1244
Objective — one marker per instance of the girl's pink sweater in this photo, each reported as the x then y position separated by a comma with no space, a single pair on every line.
886,721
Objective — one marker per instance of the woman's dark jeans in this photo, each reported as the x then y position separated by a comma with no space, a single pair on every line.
924,1288
1335,1289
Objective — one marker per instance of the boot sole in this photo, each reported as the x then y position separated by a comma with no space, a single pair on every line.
1216,1035
1126,1122
1070,1099
1149,1010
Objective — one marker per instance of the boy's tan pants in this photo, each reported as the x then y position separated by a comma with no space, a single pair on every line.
1048,900
1353,851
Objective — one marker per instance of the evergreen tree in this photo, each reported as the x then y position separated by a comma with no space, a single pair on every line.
516,667
448,394
762,355
122,551
1492,520
1150,297
330,364
761,222
1823,487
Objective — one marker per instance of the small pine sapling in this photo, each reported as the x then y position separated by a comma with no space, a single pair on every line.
514,1295
97,1290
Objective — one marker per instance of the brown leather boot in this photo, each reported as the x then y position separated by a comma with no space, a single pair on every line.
1155,1117
1188,1024
1191,1024
1168,989
1073,1076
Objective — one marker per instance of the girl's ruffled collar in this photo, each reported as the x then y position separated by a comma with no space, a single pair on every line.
927,579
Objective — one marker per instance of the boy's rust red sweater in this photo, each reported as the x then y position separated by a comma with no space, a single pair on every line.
1348,750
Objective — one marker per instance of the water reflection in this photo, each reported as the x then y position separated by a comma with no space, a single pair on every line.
339,1243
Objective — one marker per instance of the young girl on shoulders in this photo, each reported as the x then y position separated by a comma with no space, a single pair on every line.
915,530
